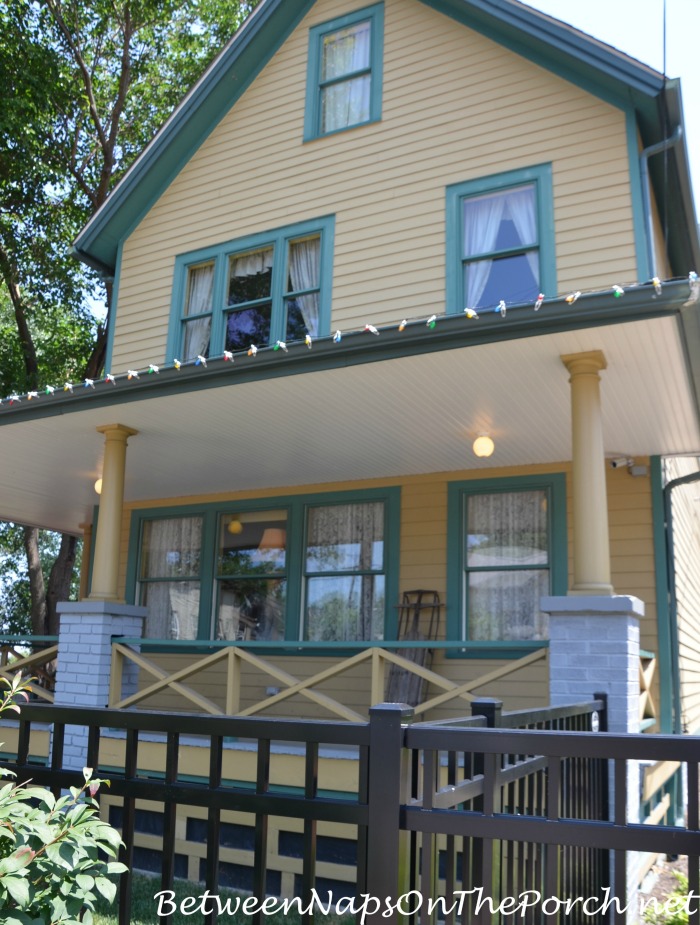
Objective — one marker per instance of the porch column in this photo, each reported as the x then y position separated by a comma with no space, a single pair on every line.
591,570
105,569
85,635
85,560
594,647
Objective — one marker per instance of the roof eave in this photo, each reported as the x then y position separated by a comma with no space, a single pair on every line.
592,309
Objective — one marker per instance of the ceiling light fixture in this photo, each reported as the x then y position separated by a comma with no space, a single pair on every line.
483,446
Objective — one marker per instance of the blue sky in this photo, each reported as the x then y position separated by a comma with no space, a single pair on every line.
637,28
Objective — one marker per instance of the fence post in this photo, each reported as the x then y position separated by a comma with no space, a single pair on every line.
387,845
490,708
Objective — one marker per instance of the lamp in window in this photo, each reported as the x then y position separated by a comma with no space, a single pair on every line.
273,538
483,446
235,527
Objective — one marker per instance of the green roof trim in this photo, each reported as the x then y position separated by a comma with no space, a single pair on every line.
594,309
573,55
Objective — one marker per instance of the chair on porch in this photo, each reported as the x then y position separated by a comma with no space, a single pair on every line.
419,619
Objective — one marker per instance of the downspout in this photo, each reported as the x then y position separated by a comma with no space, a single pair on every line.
646,194
672,600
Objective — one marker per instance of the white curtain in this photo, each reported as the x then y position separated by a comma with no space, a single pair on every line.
252,264
349,539
521,205
507,529
345,537
200,286
482,219
304,270
347,102
170,550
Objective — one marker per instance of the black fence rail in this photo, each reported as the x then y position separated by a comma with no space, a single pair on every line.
468,823
445,779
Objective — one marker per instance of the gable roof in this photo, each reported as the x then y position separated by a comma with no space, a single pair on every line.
556,46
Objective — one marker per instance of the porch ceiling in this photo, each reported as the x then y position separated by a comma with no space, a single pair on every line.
397,416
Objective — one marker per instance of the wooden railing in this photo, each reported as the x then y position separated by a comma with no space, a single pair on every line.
234,657
16,656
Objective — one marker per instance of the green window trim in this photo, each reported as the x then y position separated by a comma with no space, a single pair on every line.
296,507
456,194
555,486
314,83
219,257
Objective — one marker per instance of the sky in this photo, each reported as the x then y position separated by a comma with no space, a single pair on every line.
636,27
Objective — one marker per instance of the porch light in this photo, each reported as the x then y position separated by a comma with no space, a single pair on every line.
483,446
98,486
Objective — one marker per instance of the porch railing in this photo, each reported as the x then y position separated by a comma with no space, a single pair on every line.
236,656
33,657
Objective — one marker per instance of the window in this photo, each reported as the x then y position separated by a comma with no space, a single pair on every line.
255,291
251,575
169,576
344,572
507,542
317,568
500,240
344,80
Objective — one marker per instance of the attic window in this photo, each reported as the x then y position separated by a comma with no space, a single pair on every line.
345,73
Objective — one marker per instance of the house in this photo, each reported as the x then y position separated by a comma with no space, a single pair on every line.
371,235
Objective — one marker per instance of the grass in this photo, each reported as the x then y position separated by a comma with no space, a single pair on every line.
144,908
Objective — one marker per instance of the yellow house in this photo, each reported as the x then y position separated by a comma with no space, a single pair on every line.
395,309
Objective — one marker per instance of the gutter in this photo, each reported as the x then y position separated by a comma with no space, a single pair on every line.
657,148
672,599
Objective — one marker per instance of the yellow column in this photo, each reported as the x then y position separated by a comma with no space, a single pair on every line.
85,560
590,505
105,567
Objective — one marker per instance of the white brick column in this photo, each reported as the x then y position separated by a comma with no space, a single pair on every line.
84,661
594,647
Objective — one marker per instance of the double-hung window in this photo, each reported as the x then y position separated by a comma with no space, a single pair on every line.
318,568
344,78
170,575
258,290
500,240
345,571
507,549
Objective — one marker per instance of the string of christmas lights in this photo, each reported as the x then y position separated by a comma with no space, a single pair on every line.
431,322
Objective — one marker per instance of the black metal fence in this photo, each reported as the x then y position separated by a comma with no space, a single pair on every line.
468,822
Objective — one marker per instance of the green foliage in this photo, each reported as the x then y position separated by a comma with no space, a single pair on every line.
53,852
85,86
674,909
15,602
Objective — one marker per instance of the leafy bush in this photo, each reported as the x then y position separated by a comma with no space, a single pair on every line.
673,910
54,853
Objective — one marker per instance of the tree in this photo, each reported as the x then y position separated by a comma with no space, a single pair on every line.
86,86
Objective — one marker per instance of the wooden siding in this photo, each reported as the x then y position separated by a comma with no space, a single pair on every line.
423,564
456,107
686,545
